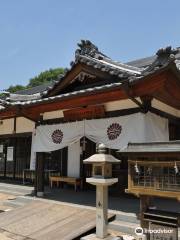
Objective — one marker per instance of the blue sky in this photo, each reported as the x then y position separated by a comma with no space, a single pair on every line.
36,35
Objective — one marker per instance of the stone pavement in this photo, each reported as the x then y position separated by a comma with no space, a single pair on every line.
3,237
46,220
19,198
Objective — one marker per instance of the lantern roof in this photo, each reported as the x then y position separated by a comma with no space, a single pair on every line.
101,158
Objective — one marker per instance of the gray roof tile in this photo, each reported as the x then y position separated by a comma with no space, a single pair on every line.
89,54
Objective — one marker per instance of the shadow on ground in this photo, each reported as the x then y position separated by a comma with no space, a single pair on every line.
125,202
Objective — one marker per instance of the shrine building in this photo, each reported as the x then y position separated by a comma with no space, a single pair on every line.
49,130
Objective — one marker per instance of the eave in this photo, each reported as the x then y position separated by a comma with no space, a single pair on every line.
162,85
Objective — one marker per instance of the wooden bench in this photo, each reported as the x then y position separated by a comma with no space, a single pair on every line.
30,174
69,180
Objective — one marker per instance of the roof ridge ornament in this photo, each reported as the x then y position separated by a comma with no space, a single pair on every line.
164,57
168,51
86,47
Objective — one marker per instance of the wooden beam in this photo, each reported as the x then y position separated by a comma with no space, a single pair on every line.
8,113
18,135
31,117
171,117
126,87
146,102
153,193
15,122
141,88
152,86
77,101
144,204
39,181
152,162
148,85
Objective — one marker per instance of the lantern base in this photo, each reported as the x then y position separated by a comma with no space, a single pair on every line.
94,237
102,181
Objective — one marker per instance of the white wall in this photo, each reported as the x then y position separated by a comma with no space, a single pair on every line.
118,105
7,126
24,125
125,104
53,114
74,152
165,108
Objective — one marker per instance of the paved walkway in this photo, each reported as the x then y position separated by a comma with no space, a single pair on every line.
125,203
46,220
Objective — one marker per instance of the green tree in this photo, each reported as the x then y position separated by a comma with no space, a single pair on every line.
15,88
45,77
42,78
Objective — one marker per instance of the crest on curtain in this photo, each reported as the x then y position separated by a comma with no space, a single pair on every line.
114,130
57,136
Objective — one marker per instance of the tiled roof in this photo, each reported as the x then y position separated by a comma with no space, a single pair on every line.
89,54
150,147
27,94
37,89
145,62
112,67
62,96
22,97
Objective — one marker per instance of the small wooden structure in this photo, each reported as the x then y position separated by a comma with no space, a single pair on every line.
77,182
153,171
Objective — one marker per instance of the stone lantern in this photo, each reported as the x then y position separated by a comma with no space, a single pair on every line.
101,178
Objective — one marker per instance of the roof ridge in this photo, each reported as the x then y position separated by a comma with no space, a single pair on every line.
113,66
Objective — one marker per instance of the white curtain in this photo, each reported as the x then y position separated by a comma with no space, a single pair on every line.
57,136
115,133
33,153
74,151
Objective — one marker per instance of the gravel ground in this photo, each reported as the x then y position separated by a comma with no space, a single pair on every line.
3,198
3,237
3,207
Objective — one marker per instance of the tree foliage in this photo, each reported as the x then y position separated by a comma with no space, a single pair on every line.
42,78
45,77
15,88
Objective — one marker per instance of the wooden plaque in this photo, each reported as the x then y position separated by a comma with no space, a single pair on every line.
84,113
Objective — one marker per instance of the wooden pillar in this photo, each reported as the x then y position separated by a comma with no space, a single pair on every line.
39,175
144,204
15,149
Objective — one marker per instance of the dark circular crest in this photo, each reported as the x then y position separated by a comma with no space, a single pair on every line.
57,136
113,131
